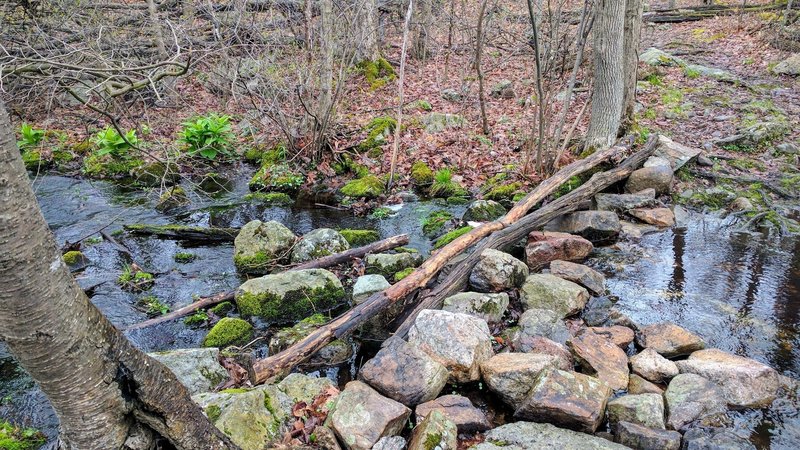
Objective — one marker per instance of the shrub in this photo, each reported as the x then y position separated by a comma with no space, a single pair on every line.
444,186
110,142
208,136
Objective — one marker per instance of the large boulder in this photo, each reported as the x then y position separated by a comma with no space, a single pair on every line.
388,264
578,273
643,409
366,285
497,271
690,397
624,202
642,438
196,368
404,373
533,436
544,247
599,227
511,375
436,431
489,307
318,243
567,399
459,409
289,296
746,383
676,154
601,357
460,342
260,245
652,366
333,354
545,291
668,339
483,211
789,66
653,177
363,416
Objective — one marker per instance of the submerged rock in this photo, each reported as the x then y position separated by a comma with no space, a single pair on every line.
545,291
655,177
668,339
643,409
643,438
362,416
534,436
260,245
289,296
511,375
318,243
578,273
545,247
196,368
690,397
489,307
388,264
458,409
436,431
483,211
599,227
600,356
497,271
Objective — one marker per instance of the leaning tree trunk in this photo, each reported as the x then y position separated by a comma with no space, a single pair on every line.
608,74
630,55
107,394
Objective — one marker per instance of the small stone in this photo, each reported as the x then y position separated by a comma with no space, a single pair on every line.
643,409
503,89
545,291
652,366
704,161
601,357
497,271
677,155
362,416
623,202
366,285
388,264
536,436
451,95
715,439
489,307
541,322
511,375
669,340
741,204
619,335
326,438
597,311
638,385
196,368
690,397
390,443
656,161
578,273
435,432
318,243
660,217
642,438
483,211
458,409
655,177
599,227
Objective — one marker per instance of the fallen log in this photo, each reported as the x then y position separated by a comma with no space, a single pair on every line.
701,12
284,361
325,261
184,232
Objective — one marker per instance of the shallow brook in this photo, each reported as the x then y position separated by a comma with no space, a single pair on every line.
740,292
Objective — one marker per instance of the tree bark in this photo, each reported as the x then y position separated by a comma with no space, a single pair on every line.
608,74
370,43
422,24
106,393
632,34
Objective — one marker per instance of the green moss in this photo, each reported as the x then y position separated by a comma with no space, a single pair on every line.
378,130
503,193
229,331
172,198
746,165
259,262
270,198
13,437
369,186
570,185
377,72
293,306
103,166
213,412
458,199
357,238
198,318
33,160
184,257
421,174
276,178
73,257
235,391
402,274
422,104
432,441
222,309
405,250
135,279
451,236
435,221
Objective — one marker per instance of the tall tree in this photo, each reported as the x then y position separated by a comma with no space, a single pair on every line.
609,76
369,45
107,394
421,29
630,55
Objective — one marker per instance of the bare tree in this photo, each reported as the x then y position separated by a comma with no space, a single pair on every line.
421,29
632,33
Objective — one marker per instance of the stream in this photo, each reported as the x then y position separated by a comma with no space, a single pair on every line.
739,291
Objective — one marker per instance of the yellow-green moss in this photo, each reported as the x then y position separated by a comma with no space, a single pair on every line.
451,236
184,257
568,186
293,306
33,160
503,193
172,198
259,262
270,198
369,186
378,130
222,309
357,238
377,72
229,331
435,221
198,318
276,178
102,166
213,412
402,274
443,185
73,257
17,438
421,174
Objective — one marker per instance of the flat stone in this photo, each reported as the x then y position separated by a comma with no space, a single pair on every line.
497,271
289,296
690,397
318,243
621,336
632,230
652,366
489,307
655,57
668,339
196,368
715,439
388,264
653,177
656,161
643,438
544,247
638,385
458,409
746,383
599,227
623,202
366,285
544,346
567,399
545,291
460,342
363,416
789,66
536,436
601,357
435,432
511,375
578,273
404,373
660,217
540,322
677,154
642,409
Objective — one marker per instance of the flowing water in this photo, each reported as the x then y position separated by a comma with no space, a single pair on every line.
740,292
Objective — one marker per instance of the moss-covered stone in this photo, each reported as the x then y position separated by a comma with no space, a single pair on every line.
184,257
421,174
369,186
270,198
106,166
34,160
172,198
435,222
335,353
484,211
229,331
289,296
388,264
74,258
503,193
568,186
437,122
402,274
378,130
377,72
222,309
277,178
198,318
451,236
156,173
18,438
357,238
259,245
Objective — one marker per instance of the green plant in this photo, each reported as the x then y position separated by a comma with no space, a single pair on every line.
152,306
13,437
435,221
110,142
380,213
184,257
135,279
208,136
30,137
198,318
444,186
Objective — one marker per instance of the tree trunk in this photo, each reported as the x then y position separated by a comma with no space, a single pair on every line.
326,77
608,74
632,33
107,394
369,46
422,24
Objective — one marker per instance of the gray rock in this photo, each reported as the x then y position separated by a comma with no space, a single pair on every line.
599,227
715,439
261,244
533,436
787,148
642,409
288,296
435,432
196,368
497,271
601,357
624,202
458,409
333,354
483,211
325,439
660,217
436,122
362,416
318,243
545,291
541,322
652,366
638,385
655,57
681,216
489,307
789,66
376,328
632,230
578,273
677,154
511,375
460,342
299,387
390,443
741,204
668,339
451,95
654,177
642,438
656,161
597,311
503,89
404,373
367,285
690,397
388,264
544,247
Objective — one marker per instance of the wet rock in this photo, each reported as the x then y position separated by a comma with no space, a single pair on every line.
540,322
390,443
483,211
715,439
489,307
741,204
337,352
545,291
601,357
660,217
261,244
643,409
511,375
388,264
578,273
376,328
318,243
746,383
503,89
652,366
639,437
533,436
655,177
288,296
404,373
228,331
619,335
497,271
362,416
567,399
681,216
632,230
544,247
676,154
599,227
460,342
623,202
789,66
458,409
171,199
690,397
196,368
435,432
367,285
669,340
597,311
638,385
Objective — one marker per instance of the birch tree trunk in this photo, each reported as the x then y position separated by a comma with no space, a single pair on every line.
632,33
326,49
107,394
609,76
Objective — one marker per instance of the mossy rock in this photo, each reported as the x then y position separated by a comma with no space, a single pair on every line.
75,258
357,238
377,72
270,198
289,296
402,274
369,186
317,244
451,236
277,178
260,245
106,166
436,222
378,130
483,211
388,264
222,309
421,174
34,160
503,193
437,122
18,438
335,353
156,174
184,257
172,198
229,331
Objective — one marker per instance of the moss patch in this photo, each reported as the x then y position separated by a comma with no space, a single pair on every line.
421,174
276,178
229,331
378,130
402,274
570,185
13,437
222,309
357,238
107,166
369,186
451,236
503,193
270,198
73,257
184,257
435,221
377,72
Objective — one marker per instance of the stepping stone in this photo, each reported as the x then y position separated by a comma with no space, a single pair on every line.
690,397
511,375
578,273
544,247
599,356
545,291
652,366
